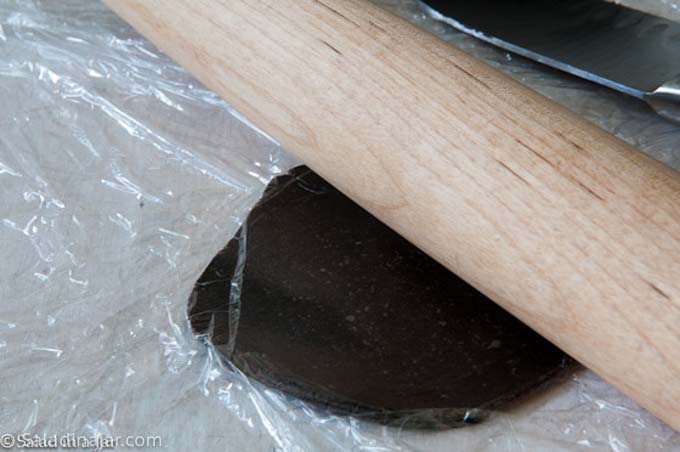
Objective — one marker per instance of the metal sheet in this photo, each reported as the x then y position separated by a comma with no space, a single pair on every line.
621,48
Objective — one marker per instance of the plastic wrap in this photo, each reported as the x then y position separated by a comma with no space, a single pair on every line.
121,177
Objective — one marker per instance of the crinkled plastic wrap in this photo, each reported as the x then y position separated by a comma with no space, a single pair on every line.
121,177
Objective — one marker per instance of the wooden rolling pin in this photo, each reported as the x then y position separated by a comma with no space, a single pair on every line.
567,227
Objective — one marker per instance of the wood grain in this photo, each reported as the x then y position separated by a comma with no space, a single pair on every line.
569,228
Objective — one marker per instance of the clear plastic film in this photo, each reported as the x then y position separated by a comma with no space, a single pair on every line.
121,177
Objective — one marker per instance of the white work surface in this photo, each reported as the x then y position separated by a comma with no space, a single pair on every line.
121,177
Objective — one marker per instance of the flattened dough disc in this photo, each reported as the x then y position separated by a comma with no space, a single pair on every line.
338,310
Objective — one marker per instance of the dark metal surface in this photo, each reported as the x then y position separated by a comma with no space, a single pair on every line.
620,48
321,300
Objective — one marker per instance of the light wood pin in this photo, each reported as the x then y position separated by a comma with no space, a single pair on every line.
564,225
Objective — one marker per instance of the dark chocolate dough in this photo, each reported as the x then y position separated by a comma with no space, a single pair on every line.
338,310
